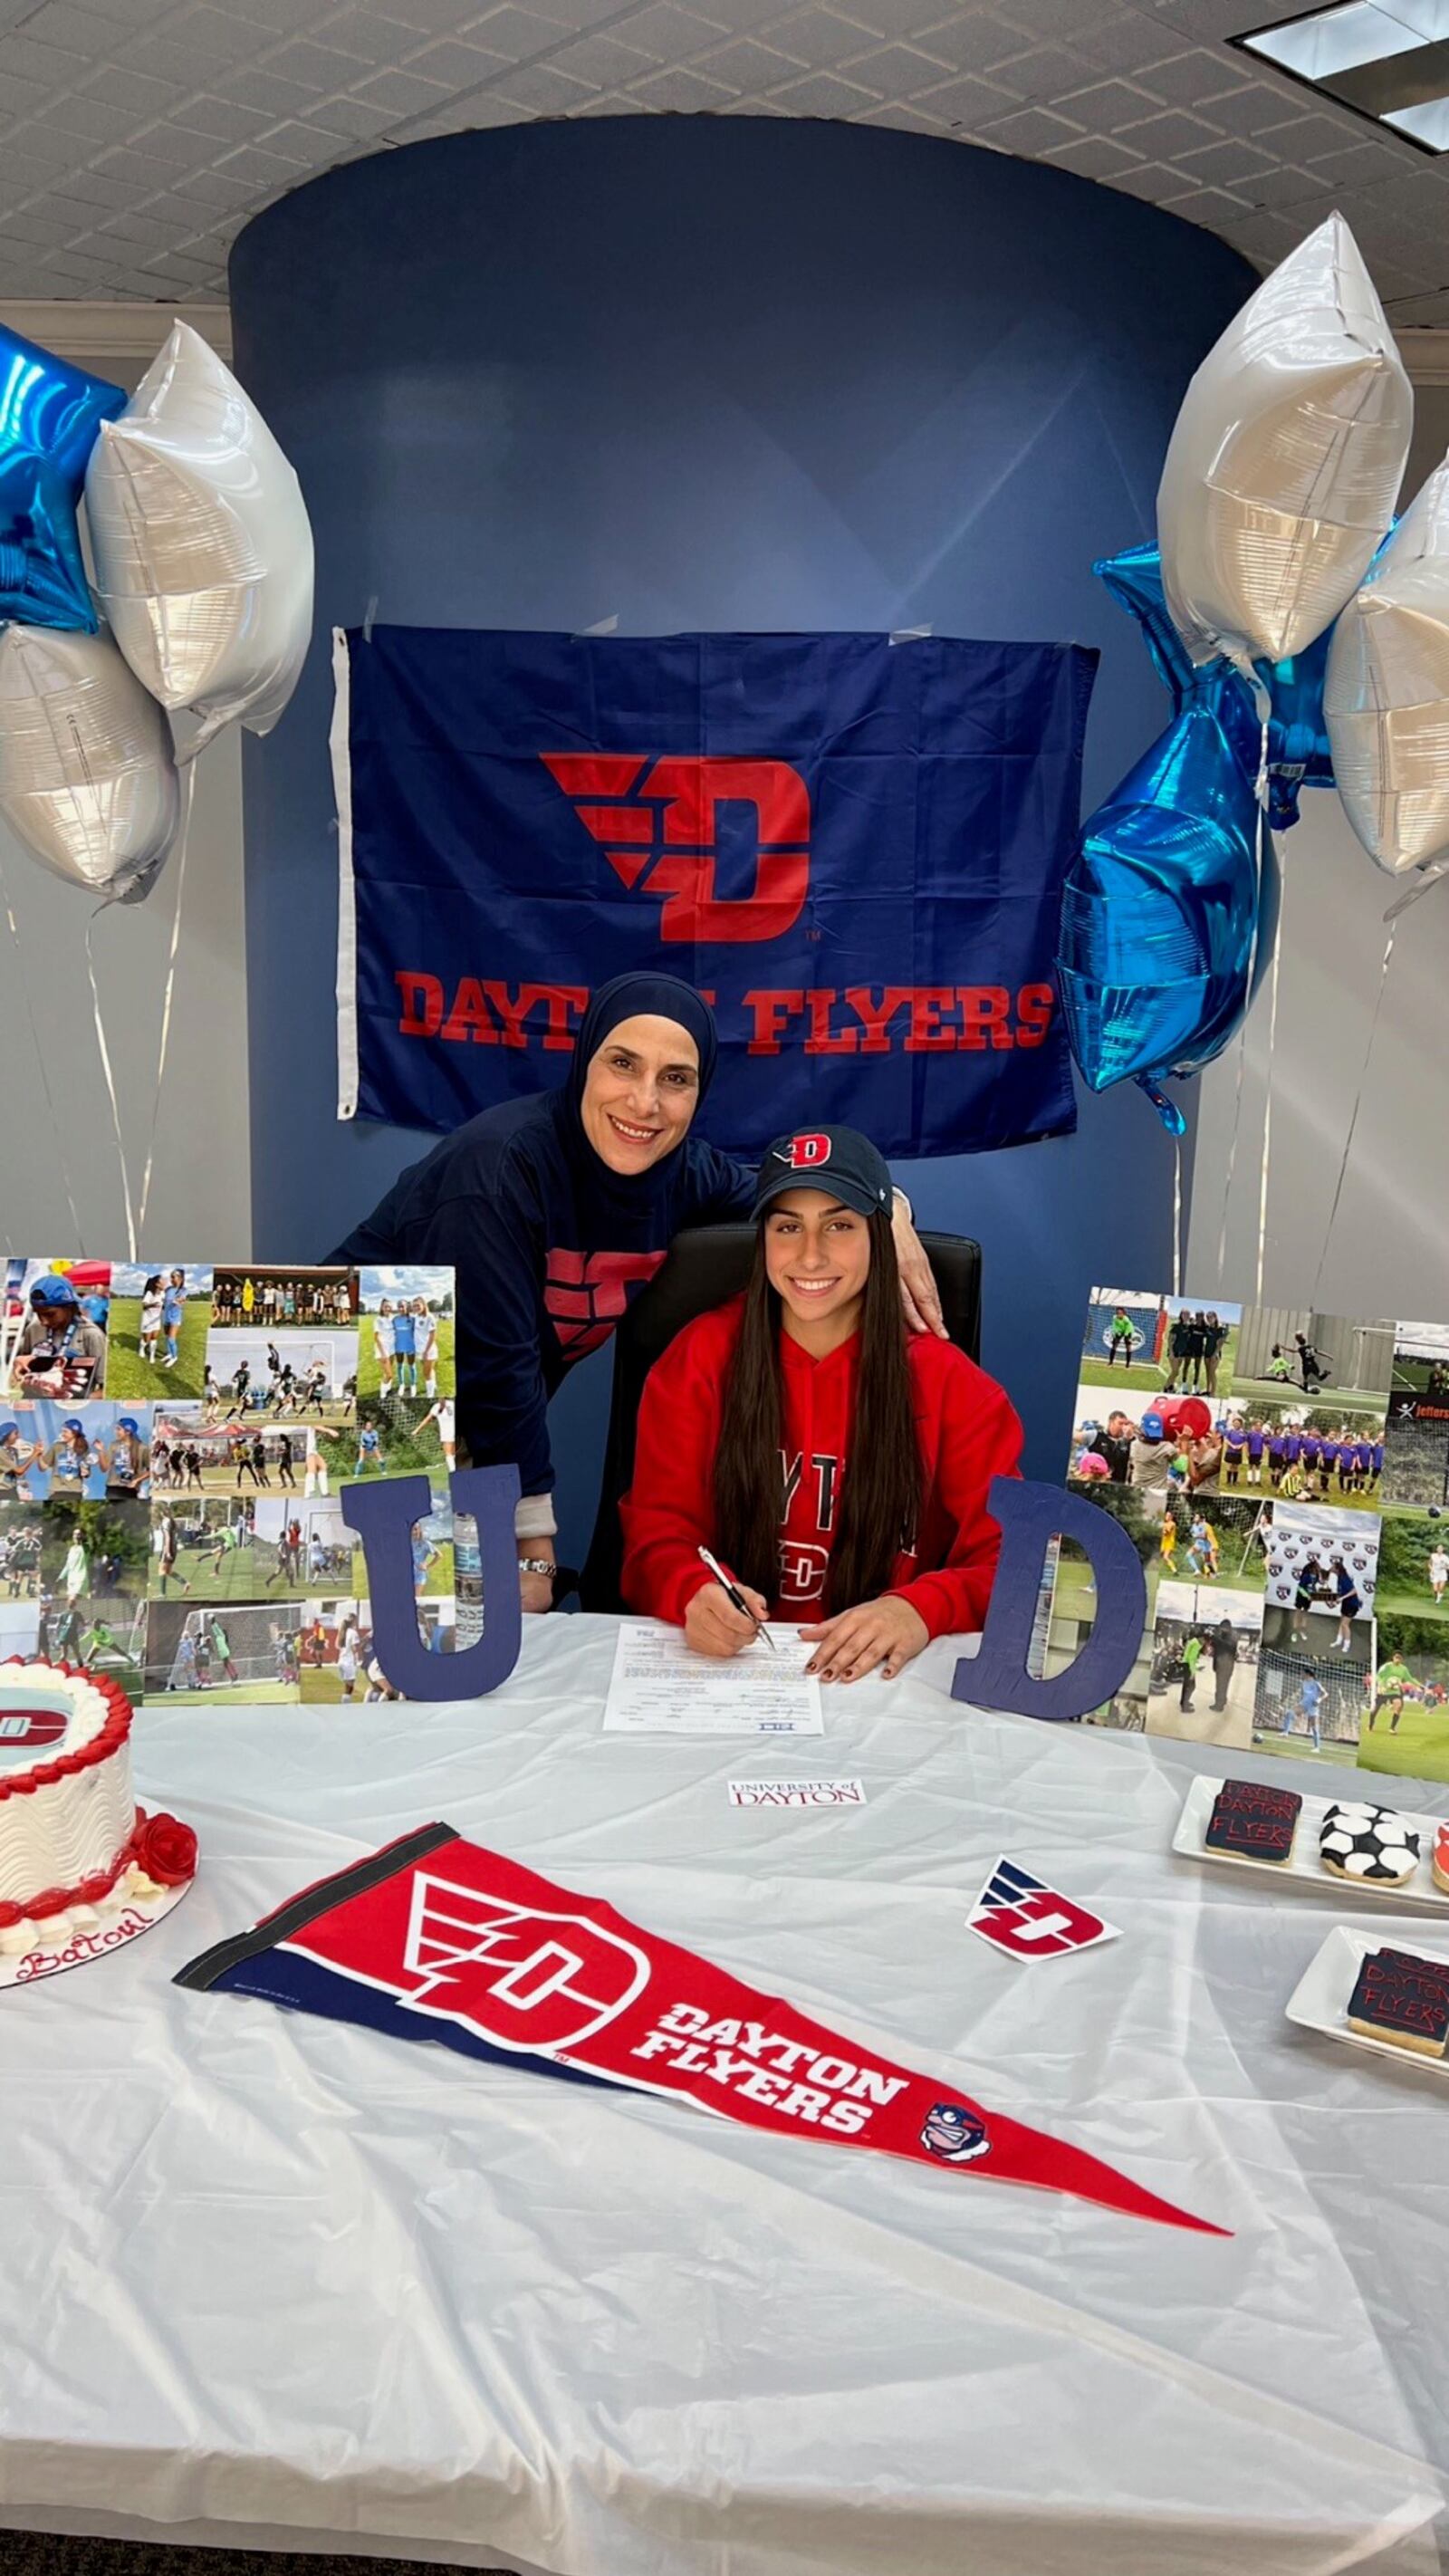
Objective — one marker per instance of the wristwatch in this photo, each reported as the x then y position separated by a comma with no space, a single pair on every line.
537,1565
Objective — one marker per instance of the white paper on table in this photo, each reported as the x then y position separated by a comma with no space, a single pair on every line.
658,1687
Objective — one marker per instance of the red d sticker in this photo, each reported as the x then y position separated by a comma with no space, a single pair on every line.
1020,1914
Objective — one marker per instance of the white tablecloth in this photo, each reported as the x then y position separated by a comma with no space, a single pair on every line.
271,2279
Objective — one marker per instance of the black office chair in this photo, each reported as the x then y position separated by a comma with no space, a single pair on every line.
706,1265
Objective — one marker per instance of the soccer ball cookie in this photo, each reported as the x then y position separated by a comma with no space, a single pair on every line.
1370,1845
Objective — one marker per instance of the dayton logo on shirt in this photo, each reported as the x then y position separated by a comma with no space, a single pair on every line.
659,825
521,1978
1020,1914
587,1292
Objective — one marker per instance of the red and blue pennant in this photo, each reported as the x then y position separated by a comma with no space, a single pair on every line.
435,1938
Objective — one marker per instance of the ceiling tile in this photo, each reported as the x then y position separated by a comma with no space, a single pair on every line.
817,37
673,35
970,103
1044,73
1254,109
539,86
1093,156
1275,186
605,61
88,120
746,66
1184,80
1151,180
307,147
896,71
1108,105
121,88
258,86
77,32
369,36
459,66
1226,164
826,94
968,44
1029,131
52,67
225,120
91,188
1205,205
352,118
900,119
22,97
518,33
1123,43
403,93
680,92
1169,134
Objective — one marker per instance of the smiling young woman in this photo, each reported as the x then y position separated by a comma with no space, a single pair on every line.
554,1210
833,1462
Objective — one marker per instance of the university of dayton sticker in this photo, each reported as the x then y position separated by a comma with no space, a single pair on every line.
1020,1914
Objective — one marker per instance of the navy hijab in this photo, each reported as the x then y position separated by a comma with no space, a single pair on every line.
605,1196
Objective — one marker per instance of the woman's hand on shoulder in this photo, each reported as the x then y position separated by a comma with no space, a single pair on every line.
888,1633
920,1297
712,1624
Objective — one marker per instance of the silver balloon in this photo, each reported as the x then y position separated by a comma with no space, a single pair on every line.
1285,460
87,775
1386,698
202,544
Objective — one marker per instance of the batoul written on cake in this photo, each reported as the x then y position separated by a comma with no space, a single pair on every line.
74,1846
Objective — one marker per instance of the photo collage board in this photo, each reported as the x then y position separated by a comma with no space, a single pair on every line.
174,1438
1284,1477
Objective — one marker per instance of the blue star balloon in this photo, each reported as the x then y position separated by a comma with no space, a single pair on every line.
50,419
1170,905
1298,753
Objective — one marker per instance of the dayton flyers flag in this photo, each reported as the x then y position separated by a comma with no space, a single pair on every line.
436,1938
855,849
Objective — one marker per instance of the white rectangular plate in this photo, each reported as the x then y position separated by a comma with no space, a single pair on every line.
1305,1867
1319,2001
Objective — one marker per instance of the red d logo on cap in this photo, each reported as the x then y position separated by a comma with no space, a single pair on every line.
808,1151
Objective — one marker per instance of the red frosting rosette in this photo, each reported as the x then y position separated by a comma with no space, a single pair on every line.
164,1849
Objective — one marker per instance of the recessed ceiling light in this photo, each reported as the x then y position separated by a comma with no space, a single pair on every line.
1387,60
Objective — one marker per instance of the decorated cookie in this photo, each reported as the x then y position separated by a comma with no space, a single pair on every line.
1441,1857
1402,1997
1253,1823
1370,1845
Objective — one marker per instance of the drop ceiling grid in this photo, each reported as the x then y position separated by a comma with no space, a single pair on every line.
138,136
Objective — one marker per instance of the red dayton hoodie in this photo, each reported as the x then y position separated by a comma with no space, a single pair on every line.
966,1427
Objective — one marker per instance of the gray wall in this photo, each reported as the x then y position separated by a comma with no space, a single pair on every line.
1389,1251
200,1204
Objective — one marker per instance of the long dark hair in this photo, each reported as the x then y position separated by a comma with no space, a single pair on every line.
878,1500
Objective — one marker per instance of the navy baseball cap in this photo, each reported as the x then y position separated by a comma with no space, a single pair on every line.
129,1423
838,1160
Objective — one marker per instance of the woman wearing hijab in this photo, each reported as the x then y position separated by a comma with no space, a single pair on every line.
554,1209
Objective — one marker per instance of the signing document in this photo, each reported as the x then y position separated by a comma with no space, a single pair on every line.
660,1688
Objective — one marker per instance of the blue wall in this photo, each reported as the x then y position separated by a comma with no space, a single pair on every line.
715,372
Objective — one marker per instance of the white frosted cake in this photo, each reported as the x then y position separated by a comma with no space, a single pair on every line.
68,1823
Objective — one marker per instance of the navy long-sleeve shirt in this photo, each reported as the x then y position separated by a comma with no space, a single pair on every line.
549,1247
